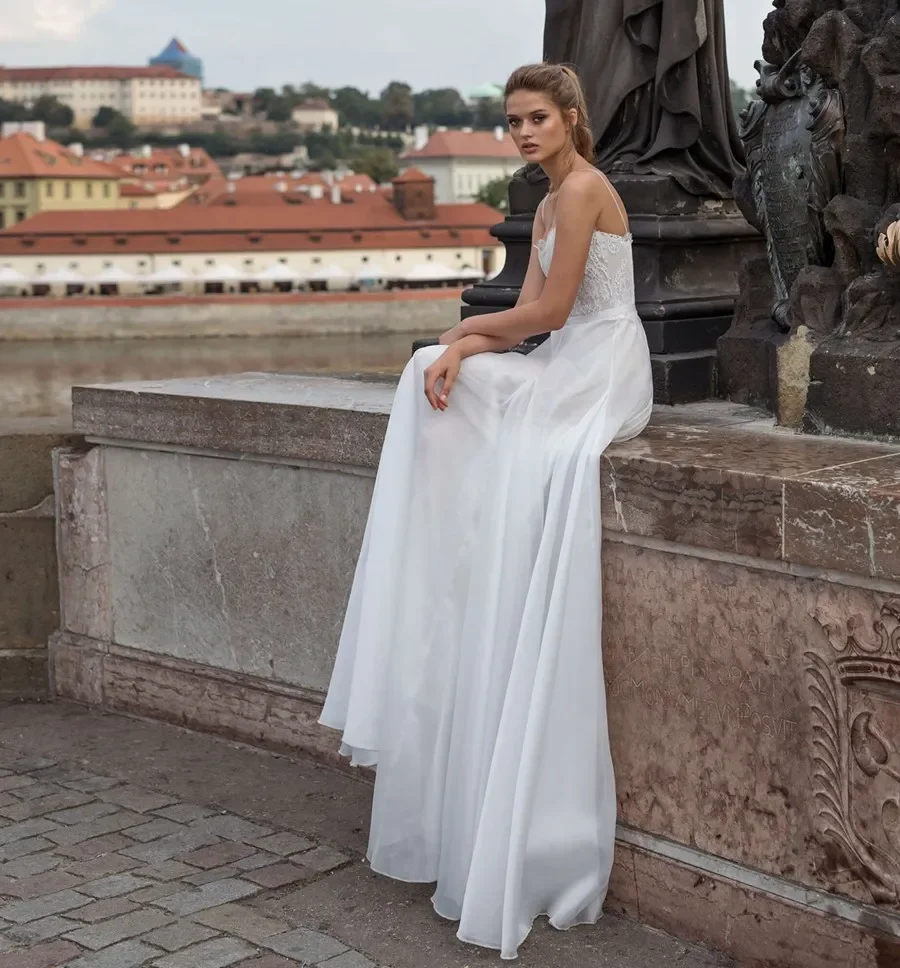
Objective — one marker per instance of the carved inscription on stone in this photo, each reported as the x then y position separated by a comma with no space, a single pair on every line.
708,691
854,685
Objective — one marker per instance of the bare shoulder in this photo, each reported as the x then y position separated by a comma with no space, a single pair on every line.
586,189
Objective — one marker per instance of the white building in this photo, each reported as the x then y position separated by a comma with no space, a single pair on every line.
463,162
362,235
145,95
315,116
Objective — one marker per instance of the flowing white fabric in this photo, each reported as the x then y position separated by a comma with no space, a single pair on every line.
470,669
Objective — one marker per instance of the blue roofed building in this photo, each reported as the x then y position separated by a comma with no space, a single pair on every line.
177,56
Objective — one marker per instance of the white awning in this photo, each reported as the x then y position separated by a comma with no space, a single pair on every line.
167,275
11,277
221,273
112,276
60,277
431,272
469,273
329,273
278,272
372,273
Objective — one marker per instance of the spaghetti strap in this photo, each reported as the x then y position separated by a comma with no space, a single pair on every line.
615,198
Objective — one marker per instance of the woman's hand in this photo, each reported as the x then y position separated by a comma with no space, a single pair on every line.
452,335
445,368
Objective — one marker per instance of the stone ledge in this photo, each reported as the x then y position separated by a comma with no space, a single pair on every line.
257,711
716,476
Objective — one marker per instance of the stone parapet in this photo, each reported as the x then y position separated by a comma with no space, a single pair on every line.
752,622
29,594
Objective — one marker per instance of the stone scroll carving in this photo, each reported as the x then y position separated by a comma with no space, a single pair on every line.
855,746
793,137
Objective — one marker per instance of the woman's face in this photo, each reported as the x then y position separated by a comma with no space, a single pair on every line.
538,127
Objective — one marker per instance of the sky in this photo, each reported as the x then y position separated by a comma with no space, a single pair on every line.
267,43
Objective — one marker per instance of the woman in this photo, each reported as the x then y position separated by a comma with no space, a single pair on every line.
469,669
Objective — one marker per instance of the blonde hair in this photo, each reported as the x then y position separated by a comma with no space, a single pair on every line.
561,84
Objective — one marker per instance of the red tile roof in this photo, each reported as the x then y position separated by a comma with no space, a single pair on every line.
412,175
314,225
270,189
465,144
197,167
23,156
37,74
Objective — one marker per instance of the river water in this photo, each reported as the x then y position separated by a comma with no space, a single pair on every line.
36,377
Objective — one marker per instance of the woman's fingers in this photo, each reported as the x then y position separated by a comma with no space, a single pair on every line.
431,377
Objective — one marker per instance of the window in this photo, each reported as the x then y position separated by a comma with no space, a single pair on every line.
67,189
398,258
49,189
316,261
106,190
365,258
19,190
2,189
21,215
2,219
88,189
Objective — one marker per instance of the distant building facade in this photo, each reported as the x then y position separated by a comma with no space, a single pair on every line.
315,116
463,162
37,175
357,234
179,58
145,95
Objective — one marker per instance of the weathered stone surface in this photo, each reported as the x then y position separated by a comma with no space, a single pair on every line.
29,593
84,542
194,580
293,417
748,925
852,388
712,672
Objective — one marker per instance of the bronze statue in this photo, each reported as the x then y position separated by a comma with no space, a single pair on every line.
656,77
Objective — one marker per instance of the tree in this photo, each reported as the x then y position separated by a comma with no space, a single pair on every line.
121,132
313,92
740,97
380,164
12,111
495,193
397,106
106,116
279,109
442,106
356,108
52,112
489,113
263,98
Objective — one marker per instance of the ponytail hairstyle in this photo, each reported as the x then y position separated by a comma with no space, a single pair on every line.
562,86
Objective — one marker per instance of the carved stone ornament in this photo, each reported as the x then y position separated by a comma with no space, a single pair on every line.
793,137
855,702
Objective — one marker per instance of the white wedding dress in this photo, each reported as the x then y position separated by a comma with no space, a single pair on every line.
470,667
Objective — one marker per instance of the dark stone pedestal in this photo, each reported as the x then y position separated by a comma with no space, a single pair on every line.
853,389
687,255
747,353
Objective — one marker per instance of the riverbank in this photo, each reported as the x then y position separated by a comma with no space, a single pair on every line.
419,312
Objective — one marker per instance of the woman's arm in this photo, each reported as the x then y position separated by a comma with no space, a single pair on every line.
578,208
529,293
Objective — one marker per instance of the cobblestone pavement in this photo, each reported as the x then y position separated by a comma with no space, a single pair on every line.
127,843
99,873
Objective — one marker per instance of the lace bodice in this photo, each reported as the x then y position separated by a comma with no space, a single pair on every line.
608,275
